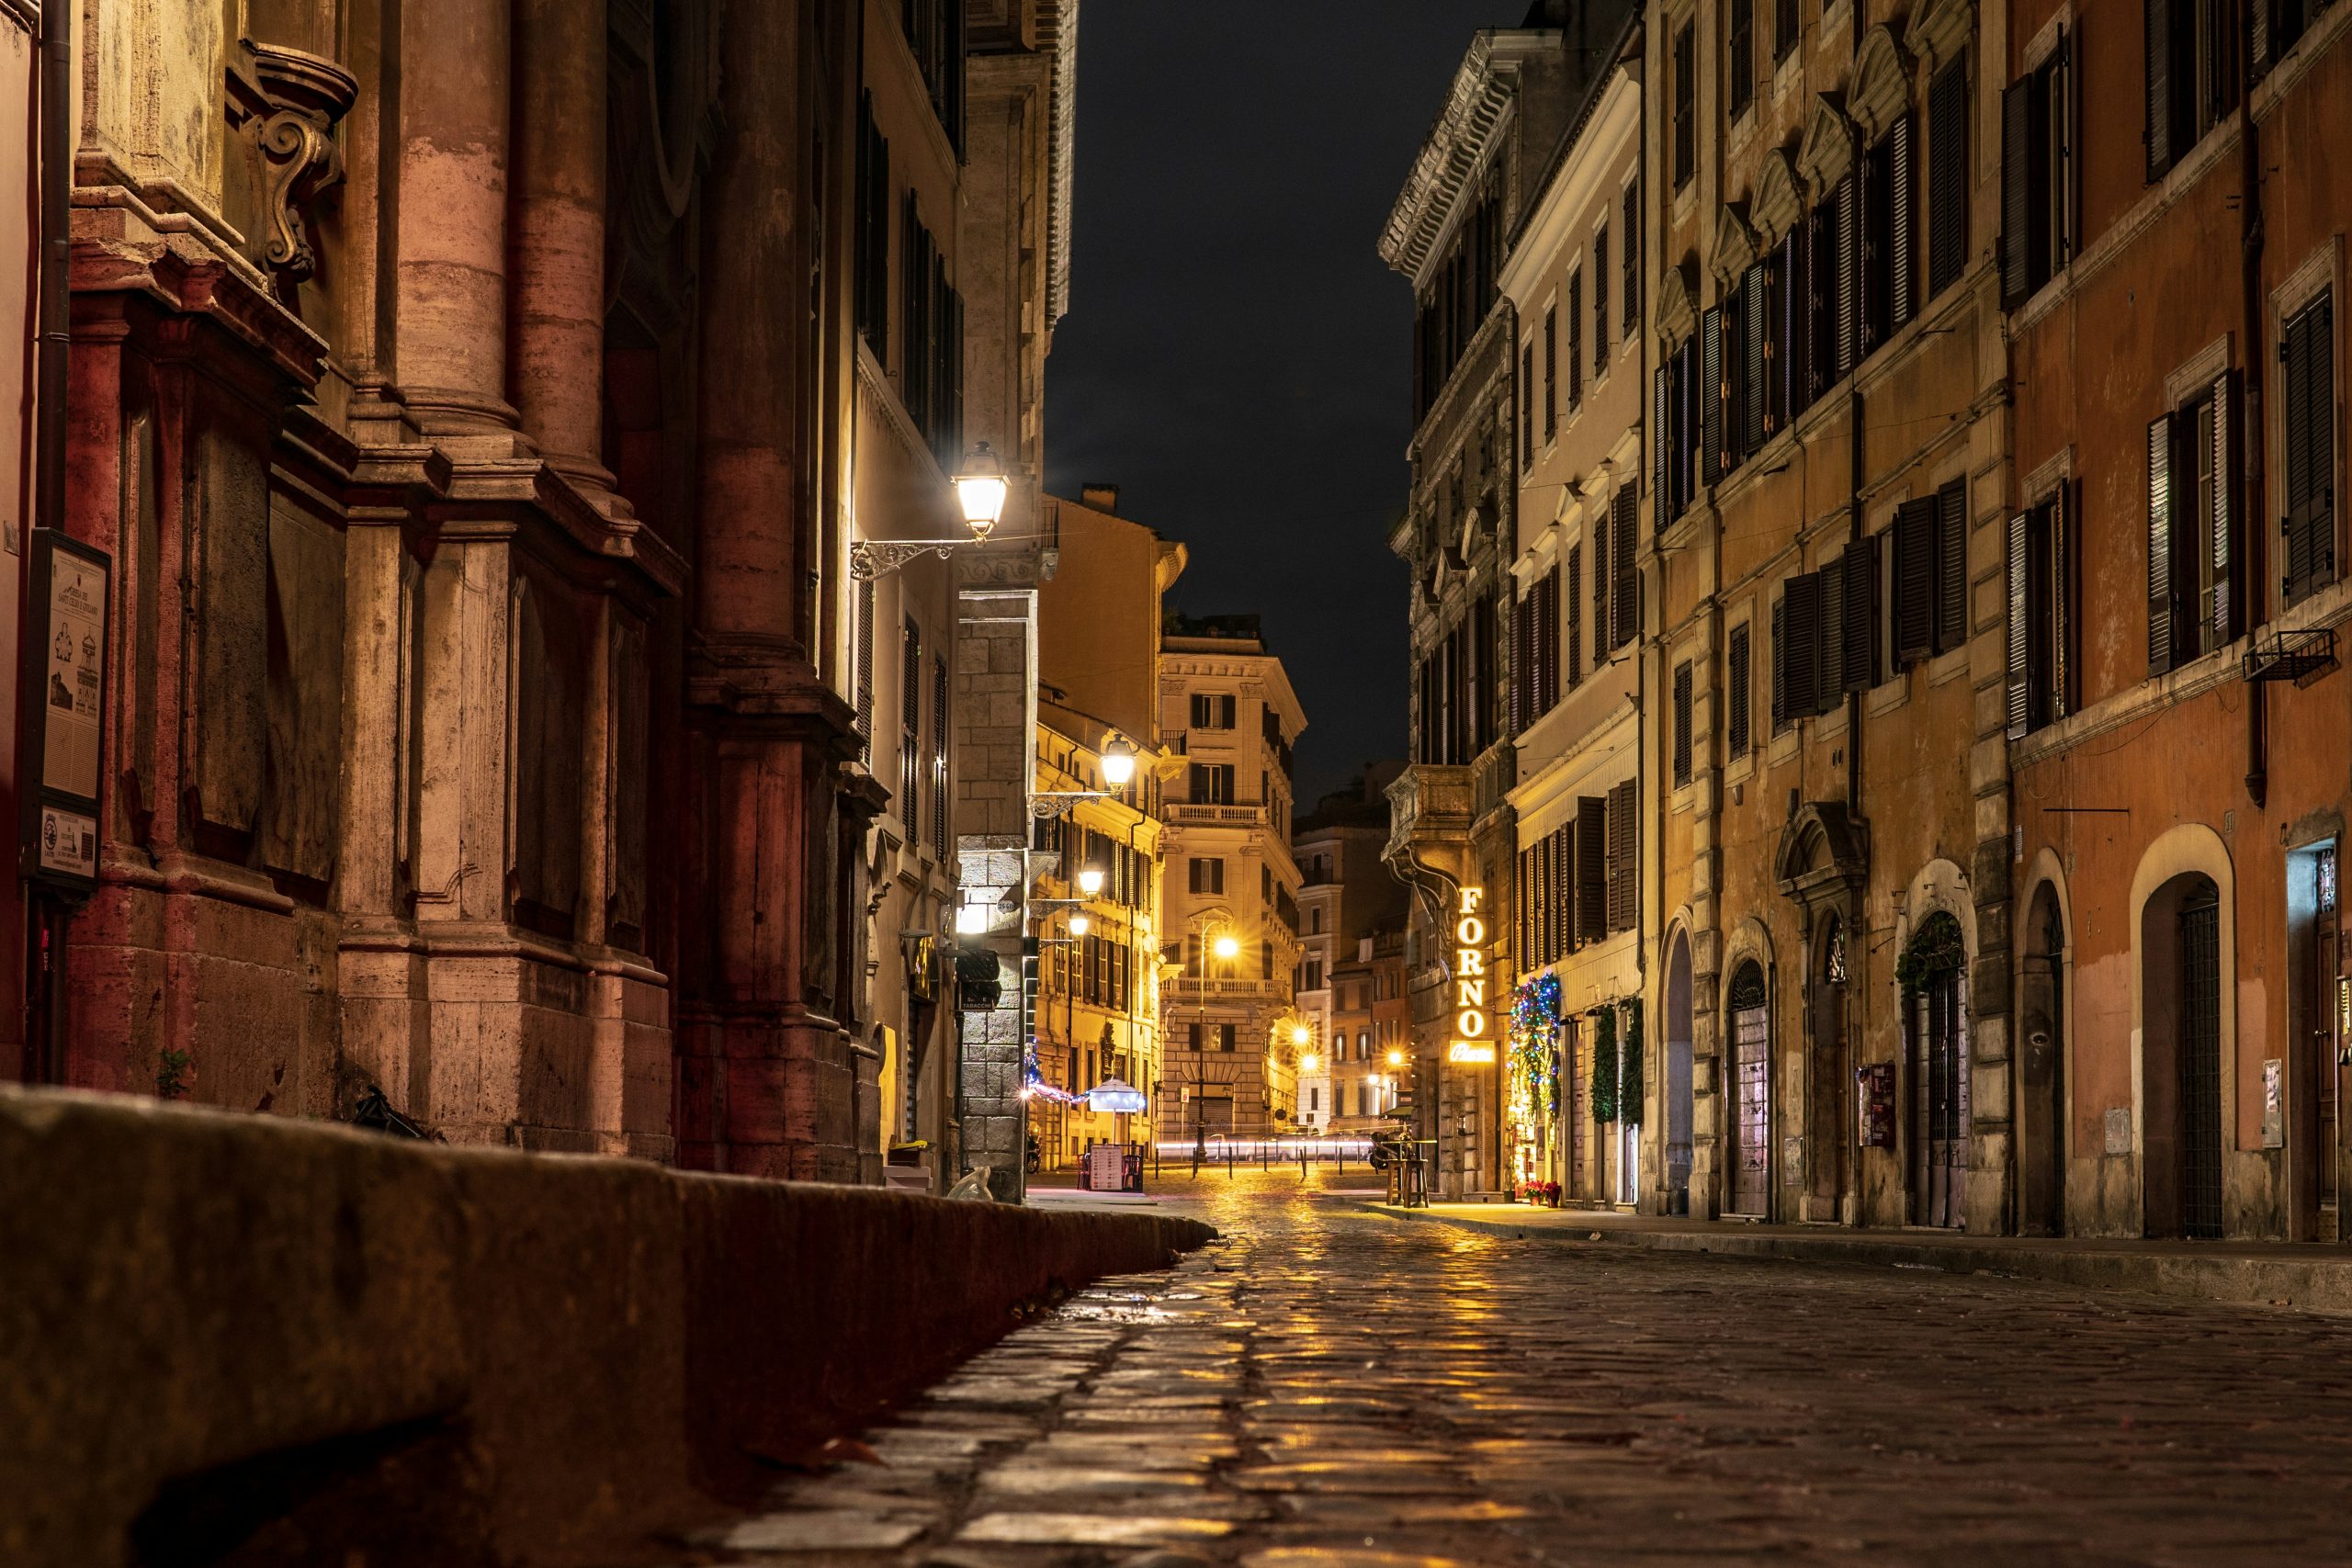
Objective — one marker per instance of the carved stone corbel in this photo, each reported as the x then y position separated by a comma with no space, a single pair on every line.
285,104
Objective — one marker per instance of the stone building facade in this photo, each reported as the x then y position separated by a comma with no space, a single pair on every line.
1346,891
483,718
2174,271
1830,463
1451,827
1581,694
1231,1063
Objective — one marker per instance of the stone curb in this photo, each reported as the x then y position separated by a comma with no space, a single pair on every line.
2320,1283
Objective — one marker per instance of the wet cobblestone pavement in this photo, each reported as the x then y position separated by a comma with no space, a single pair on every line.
1329,1388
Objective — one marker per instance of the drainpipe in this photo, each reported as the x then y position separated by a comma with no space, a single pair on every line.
45,925
1854,920
2257,749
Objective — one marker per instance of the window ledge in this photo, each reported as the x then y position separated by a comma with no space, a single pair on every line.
1888,694
1785,745
1741,768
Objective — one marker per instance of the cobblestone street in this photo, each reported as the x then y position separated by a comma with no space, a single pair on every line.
1331,1386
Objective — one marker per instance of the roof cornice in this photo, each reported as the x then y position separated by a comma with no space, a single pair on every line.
1476,108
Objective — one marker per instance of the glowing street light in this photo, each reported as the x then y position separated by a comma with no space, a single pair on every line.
1395,1057
981,486
1118,761
1310,1063
1078,924
1089,880
1227,946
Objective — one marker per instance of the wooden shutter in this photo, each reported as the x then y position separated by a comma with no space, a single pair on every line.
2017,199
1947,173
1711,395
1802,598
866,670
1627,621
939,719
1758,291
1789,352
1901,214
1591,869
1624,855
1563,898
1574,589
1780,665
1527,406
2156,56
2061,607
2018,708
2311,448
1600,527
1629,246
1686,423
2160,618
1576,338
2226,596
1734,330
1859,657
1951,565
1830,674
1915,581
1551,372
1600,302
1738,678
1682,723
1523,677
1847,195
1661,449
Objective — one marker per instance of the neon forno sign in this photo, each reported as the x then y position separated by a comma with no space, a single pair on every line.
1472,1046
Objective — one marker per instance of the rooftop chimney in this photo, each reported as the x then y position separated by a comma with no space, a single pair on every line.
1101,497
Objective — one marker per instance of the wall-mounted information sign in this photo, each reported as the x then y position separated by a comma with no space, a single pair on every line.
62,708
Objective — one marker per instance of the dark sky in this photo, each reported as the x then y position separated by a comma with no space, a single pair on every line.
1237,357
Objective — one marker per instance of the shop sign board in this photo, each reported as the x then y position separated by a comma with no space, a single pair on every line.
1473,1043
1874,1101
62,700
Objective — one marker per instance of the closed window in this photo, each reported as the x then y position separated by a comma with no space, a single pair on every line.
1682,724
1576,336
1551,372
1213,710
2308,374
1947,174
1600,302
1741,66
1207,873
2037,175
1738,678
2191,74
2193,549
1686,107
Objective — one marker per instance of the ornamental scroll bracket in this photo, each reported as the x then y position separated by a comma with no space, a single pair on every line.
285,104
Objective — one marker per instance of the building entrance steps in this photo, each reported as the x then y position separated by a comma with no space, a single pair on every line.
2303,1275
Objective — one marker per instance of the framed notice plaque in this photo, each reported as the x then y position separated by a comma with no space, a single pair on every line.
63,712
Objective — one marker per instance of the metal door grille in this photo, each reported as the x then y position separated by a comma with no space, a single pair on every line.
2200,1070
1751,1069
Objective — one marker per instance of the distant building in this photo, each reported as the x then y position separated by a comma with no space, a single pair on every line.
1345,891
1230,904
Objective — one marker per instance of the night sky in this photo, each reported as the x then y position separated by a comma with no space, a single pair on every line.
1237,358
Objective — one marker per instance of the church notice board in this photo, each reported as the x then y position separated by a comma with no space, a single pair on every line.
63,699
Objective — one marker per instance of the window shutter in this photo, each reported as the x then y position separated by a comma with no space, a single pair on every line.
1551,373
1802,598
1736,378
1574,589
2295,573
1757,292
1527,406
1591,869
939,720
2156,55
2160,628
1682,724
1521,676
1951,565
2017,201
866,670
1547,634
1861,651
1829,681
1901,211
2311,447
1600,302
1628,619
1630,247
1794,392
1624,844
1600,527
1686,423
1738,678
1915,581
1780,665
1849,272
2062,608
1576,338
1563,902
2226,483
1661,448
1711,395
1948,174
2018,629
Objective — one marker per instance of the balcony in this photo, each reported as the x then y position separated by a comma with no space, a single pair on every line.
1184,991
1191,814
1430,803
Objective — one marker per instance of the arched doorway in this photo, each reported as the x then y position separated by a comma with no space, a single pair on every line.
1827,1074
1675,1090
1749,1093
2041,1068
2180,1067
1933,975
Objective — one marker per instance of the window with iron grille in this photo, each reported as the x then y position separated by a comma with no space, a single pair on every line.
1741,67
1686,107
1682,724
1737,678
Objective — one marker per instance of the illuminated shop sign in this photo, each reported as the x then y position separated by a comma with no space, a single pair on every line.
1472,1046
